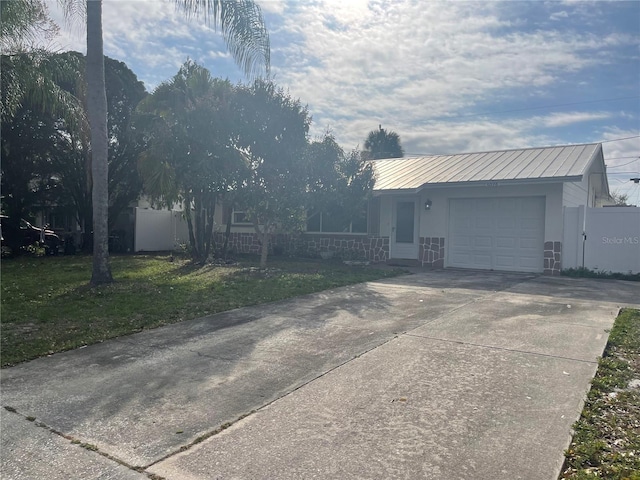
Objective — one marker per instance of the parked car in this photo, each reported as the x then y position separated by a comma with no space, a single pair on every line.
28,234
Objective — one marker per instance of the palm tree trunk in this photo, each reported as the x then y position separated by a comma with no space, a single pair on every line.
97,113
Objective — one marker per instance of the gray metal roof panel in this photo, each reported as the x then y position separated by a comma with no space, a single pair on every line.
513,165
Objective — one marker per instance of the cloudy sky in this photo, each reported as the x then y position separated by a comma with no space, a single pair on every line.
448,77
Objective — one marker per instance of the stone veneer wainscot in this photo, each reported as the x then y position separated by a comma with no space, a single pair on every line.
552,258
371,248
432,252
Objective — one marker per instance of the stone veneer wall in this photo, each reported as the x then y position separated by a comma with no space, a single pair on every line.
432,252
357,247
552,258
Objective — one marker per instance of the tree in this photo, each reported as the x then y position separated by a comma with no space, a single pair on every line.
31,74
382,144
27,176
73,157
54,165
273,133
190,157
620,198
24,23
243,30
339,183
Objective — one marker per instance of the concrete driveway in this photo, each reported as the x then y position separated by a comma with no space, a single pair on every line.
443,374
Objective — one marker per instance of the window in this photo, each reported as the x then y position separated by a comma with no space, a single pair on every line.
239,217
327,223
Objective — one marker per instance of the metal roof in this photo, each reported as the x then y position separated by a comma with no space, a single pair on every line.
560,163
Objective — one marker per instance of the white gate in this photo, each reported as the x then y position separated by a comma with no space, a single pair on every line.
612,242
159,230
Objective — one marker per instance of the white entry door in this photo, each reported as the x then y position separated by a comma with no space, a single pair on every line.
497,233
404,238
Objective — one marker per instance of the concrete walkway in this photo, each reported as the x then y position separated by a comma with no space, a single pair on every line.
445,374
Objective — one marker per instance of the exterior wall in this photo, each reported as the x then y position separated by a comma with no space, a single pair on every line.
386,206
574,194
434,223
356,247
612,241
589,192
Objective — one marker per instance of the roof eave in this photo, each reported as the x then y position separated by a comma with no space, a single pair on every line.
481,183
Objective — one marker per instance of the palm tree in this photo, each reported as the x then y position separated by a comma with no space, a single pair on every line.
245,34
30,73
382,144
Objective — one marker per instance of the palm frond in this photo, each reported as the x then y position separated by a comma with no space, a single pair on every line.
35,77
242,27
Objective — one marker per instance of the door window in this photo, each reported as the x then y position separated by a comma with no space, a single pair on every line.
405,222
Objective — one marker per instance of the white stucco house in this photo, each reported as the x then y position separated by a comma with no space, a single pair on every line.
500,210
526,210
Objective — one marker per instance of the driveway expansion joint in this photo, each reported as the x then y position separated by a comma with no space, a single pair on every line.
76,442
504,349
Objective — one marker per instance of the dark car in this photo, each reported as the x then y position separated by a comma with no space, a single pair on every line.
26,234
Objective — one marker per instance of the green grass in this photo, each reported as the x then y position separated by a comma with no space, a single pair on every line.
582,272
48,307
606,441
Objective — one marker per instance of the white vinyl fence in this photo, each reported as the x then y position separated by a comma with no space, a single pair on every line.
612,242
159,230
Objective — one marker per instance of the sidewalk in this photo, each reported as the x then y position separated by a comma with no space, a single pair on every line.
434,375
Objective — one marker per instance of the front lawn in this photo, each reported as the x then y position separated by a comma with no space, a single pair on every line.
47,306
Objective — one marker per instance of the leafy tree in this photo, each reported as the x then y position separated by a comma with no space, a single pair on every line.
382,144
339,183
24,23
620,198
244,33
32,74
73,159
273,133
28,178
63,151
189,158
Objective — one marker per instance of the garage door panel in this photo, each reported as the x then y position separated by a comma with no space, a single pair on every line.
529,244
482,241
507,223
506,242
529,262
482,261
461,241
503,233
503,261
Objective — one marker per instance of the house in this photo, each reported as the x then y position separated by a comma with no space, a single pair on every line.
499,210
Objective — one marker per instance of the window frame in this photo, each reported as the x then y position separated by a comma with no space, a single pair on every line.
233,217
350,232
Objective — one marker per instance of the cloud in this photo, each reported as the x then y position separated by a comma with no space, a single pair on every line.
569,118
559,15
422,69
404,64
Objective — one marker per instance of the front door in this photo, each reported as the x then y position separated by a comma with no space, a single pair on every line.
404,242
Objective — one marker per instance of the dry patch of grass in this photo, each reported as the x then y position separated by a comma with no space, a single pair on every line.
48,307
606,442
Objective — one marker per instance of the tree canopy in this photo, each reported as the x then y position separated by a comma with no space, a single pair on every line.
244,32
190,158
273,130
46,159
382,144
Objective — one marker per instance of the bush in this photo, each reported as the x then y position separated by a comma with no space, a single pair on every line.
583,272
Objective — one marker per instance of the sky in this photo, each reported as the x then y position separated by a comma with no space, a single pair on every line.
447,76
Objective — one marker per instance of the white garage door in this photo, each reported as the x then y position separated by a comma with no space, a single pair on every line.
497,233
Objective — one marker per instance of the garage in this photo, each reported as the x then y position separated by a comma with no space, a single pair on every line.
497,233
